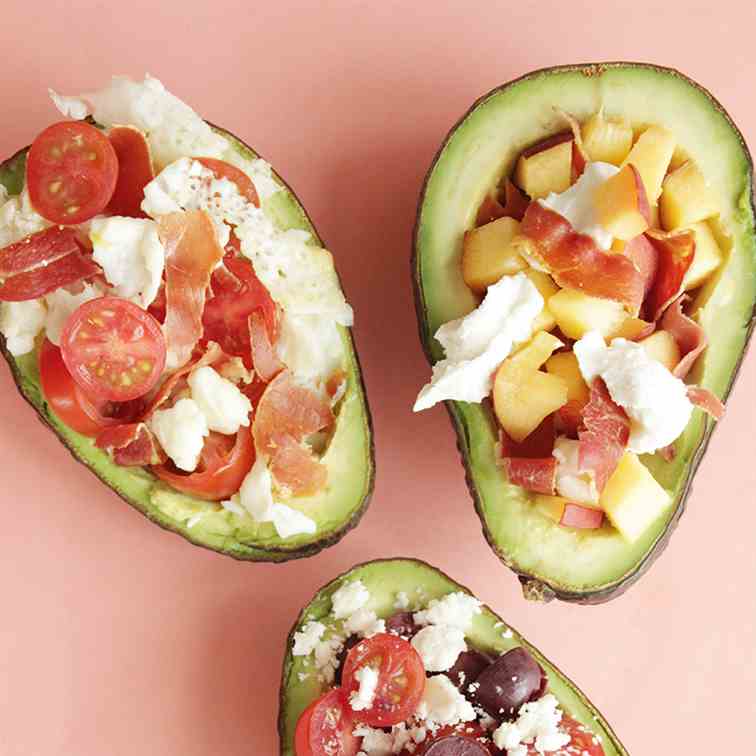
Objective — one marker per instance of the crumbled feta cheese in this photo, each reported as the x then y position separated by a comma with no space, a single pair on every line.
19,219
306,639
476,344
537,723
374,742
365,623
20,323
349,598
578,206
455,609
570,482
654,399
402,600
310,346
362,698
439,646
225,408
327,657
131,255
181,431
442,704
172,127
61,305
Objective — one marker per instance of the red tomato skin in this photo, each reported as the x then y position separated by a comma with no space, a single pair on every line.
393,655
223,475
110,322
71,172
316,735
134,171
222,170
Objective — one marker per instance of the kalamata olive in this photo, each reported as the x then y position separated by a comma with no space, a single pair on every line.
511,681
467,668
349,643
402,624
456,745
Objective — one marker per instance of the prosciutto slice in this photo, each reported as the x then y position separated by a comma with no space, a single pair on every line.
604,435
131,444
689,335
575,260
264,357
191,253
285,416
134,171
675,254
645,257
530,464
705,400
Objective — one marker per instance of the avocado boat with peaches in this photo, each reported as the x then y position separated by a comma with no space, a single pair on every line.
584,270
168,310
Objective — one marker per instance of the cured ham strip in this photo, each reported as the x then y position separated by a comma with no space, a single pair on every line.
577,262
540,443
705,400
645,257
131,444
134,171
676,250
532,474
264,358
569,416
38,250
689,335
191,253
604,436
285,416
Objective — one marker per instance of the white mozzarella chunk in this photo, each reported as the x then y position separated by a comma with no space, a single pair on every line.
225,408
61,305
181,431
442,704
571,483
349,598
20,323
439,646
131,255
476,344
306,639
454,610
310,346
19,219
172,127
655,400
289,522
578,206
258,170
362,698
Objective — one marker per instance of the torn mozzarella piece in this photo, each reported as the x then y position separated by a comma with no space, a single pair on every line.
655,400
476,344
61,305
225,408
19,219
571,483
181,431
578,206
131,255
310,346
20,323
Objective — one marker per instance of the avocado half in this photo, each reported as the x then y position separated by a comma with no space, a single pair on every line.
384,578
350,456
551,561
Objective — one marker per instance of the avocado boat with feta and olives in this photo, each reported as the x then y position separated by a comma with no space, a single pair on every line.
394,656
240,422
585,275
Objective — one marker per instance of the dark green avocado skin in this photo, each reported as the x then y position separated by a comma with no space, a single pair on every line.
12,173
406,564
535,589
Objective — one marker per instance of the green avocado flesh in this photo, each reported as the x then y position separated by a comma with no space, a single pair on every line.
348,457
585,566
422,583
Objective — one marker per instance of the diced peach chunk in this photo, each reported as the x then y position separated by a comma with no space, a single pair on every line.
661,346
488,254
686,198
651,155
546,167
565,365
607,139
577,313
547,288
707,257
622,206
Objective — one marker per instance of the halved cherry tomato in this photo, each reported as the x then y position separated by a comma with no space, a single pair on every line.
325,728
67,400
401,678
113,349
222,170
223,465
226,315
71,172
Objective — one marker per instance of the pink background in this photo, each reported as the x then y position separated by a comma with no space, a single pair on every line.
118,638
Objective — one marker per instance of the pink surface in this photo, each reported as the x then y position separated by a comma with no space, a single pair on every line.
118,638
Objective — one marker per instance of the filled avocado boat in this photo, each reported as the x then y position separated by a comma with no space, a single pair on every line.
169,311
394,657
584,276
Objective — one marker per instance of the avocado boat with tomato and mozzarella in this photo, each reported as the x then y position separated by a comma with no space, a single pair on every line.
168,310
395,657
584,270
